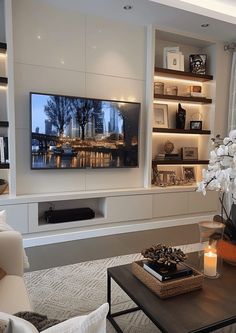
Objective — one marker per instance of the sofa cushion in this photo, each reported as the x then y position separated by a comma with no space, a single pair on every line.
94,322
14,296
6,227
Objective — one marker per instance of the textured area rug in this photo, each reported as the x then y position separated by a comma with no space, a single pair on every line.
72,290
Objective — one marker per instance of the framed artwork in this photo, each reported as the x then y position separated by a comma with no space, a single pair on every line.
189,153
173,61
189,173
196,125
170,49
197,63
160,116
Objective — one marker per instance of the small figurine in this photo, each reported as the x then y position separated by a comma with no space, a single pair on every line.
180,117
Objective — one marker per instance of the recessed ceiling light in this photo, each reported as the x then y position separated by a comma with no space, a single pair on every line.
205,25
127,7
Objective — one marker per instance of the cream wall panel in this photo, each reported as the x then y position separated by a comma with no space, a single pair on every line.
199,203
128,208
42,181
116,88
2,22
17,216
114,48
48,36
169,204
46,80
114,178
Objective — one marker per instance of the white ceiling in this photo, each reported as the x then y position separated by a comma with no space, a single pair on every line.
224,10
147,12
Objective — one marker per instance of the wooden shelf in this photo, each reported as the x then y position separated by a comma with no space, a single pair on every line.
182,75
201,100
180,131
167,162
3,47
4,124
4,165
3,80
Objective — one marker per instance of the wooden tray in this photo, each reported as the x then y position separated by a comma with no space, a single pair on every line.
168,288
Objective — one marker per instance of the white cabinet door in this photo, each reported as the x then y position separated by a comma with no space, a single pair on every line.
169,204
17,216
129,208
199,203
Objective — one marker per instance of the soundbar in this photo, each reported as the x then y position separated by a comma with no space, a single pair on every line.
68,215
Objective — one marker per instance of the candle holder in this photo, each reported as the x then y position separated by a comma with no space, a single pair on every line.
211,233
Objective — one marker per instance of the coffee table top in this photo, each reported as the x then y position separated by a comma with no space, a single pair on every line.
202,310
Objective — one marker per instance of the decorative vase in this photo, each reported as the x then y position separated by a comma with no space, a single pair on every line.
227,251
211,233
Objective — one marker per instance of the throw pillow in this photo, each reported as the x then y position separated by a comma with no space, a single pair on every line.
94,322
3,325
6,227
41,322
2,273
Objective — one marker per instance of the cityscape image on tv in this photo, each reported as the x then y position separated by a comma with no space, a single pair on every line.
73,132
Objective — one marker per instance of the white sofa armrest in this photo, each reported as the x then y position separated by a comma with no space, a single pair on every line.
11,252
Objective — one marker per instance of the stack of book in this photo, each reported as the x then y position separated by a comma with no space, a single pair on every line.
163,273
172,157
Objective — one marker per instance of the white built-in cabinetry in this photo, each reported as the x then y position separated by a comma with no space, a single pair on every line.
126,209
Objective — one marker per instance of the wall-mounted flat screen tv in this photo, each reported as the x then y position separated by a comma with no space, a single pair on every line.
76,132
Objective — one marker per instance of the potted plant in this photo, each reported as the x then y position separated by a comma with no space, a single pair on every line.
221,176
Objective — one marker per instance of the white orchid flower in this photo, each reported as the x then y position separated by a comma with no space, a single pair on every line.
232,135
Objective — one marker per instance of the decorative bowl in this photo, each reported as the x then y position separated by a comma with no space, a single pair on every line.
227,250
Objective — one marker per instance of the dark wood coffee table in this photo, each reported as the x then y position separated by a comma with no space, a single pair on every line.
204,310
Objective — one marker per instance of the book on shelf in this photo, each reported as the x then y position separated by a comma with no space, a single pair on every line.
5,143
163,274
172,157
2,155
4,149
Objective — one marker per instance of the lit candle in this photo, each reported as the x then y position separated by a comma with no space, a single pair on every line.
210,263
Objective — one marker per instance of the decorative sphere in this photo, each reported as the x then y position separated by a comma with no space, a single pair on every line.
168,147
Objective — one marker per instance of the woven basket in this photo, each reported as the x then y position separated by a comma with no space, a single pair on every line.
168,288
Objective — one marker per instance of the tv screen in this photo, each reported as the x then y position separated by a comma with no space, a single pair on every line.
76,132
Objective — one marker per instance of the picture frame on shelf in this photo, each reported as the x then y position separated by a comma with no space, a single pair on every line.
197,63
173,61
189,153
168,49
189,174
196,125
160,115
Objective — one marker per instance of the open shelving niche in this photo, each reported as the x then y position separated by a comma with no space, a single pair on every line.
4,123
193,105
7,111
